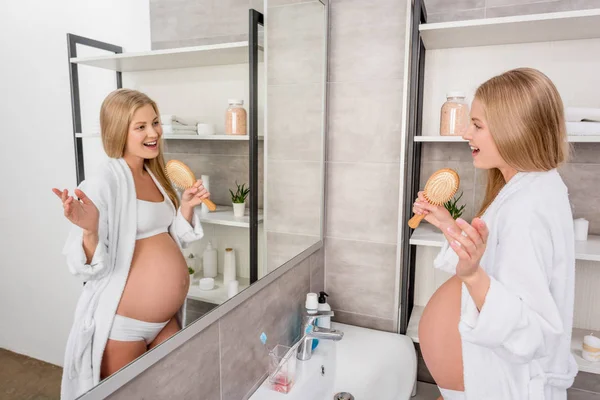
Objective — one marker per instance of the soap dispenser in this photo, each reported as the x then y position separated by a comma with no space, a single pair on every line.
323,322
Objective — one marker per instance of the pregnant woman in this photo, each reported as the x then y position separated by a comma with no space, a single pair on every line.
500,328
129,227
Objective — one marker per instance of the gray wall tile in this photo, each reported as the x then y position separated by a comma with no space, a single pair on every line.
501,3
210,147
362,201
181,375
574,394
294,189
317,271
460,15
366,40
282,247
577,177
446,152
587,381
524,9
444,6
173,44
365,121
361,277
295,122
585,153
365,321
583,4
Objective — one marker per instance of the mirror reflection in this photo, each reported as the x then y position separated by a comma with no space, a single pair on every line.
153,211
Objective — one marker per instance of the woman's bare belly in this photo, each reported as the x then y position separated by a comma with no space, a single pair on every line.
158,280
439,337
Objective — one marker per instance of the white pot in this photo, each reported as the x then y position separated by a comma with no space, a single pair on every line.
239,209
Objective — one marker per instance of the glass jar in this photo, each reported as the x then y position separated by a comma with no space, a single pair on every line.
454,118
235,118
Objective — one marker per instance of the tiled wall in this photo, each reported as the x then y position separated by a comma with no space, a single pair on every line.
194,23
456,10
363,171
295,96
226,361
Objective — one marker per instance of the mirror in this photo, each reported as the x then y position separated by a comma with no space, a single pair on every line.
199,114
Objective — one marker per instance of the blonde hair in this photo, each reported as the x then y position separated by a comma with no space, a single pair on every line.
116,115
525,117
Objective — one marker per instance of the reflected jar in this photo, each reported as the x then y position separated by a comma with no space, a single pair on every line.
235,118
454,118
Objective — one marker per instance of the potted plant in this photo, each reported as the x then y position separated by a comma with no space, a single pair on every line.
239,199
452,207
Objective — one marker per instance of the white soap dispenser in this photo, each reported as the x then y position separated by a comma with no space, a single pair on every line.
324,322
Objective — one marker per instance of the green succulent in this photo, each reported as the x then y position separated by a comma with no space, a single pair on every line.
241,193
191,270
452,207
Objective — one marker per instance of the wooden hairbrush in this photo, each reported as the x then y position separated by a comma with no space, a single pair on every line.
182,176
440,188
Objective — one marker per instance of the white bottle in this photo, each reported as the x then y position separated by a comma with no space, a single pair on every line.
206,184
209,260
229,266
324,322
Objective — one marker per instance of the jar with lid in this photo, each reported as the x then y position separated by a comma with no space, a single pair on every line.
235,118
454,118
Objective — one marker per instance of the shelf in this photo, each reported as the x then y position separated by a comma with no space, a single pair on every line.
218,295
427,235
576,341
185,57
571,25
224,216
412,331
452,139
184,137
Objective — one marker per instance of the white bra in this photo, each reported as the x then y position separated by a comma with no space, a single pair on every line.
153,218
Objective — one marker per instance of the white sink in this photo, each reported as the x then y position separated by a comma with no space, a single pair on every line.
366,363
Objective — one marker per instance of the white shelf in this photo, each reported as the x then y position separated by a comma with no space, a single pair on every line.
412,331
571,25
185,57
452,139
224,216
427,235
218,295
576,342
184,137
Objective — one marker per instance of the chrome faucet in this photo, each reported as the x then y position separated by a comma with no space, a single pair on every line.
314,332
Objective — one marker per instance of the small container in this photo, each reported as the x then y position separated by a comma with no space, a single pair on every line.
324,322
233,288
282,369
454,118
205,129
581,227
235,118
210,261
229,268
239,209
590,350
206,284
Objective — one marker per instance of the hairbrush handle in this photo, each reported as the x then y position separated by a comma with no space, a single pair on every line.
415,220
209,204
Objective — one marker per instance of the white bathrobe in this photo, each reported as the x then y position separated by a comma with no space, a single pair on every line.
518,346
112,189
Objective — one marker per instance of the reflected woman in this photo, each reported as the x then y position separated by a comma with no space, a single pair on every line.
128,230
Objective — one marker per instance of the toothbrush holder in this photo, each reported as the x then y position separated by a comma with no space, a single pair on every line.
282,368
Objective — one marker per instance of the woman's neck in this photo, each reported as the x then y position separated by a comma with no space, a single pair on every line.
136,164
508,173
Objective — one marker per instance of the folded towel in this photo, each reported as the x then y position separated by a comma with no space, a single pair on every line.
176,130
579,114
169,119
583,128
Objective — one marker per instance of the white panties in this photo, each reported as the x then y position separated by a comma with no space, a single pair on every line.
127,329
448,394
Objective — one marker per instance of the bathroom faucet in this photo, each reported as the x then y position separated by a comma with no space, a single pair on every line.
314,332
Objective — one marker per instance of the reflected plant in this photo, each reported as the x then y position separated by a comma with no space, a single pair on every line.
452,207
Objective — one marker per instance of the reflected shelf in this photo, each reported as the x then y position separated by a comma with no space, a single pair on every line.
218,295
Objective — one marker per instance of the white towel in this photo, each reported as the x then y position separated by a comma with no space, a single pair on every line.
179,130
169,119
583,128
579,114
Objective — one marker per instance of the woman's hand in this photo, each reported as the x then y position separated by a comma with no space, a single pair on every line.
193,196
82,212
469,246
437,216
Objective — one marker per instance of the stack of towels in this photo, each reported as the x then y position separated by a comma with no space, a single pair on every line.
583,121
173,125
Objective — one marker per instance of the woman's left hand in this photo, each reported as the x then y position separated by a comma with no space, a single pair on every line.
193,196
469,246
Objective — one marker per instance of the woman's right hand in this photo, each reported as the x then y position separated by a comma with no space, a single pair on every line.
437,216
82,213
